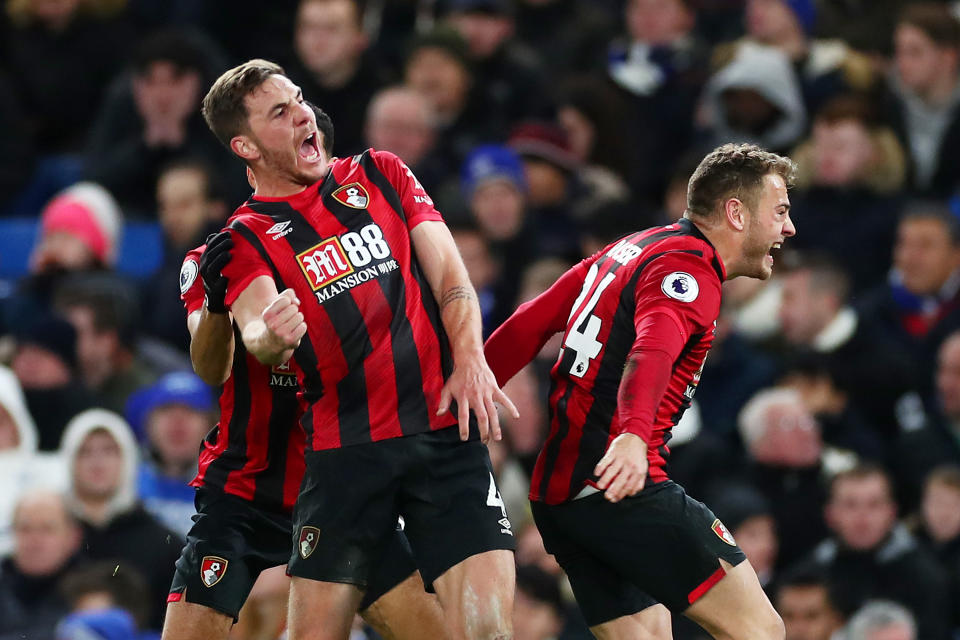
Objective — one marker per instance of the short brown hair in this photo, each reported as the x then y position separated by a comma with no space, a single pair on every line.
935,20
947,475
864,471
733,171
223,106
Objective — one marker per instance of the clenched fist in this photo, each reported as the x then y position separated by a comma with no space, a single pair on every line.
284,321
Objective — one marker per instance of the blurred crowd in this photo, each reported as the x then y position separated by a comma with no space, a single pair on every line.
826,429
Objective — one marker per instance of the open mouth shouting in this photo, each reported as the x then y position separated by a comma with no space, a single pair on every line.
774,248
309,148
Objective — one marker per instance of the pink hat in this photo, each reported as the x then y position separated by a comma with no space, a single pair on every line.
87,211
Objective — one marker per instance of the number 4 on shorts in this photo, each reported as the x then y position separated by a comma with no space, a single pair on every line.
493,497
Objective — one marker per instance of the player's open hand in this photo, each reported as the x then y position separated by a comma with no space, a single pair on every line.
284,321
623,468
473,386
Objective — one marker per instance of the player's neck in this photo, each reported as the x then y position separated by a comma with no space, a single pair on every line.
276,187
726,246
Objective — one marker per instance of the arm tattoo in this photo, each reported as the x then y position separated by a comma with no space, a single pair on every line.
456,293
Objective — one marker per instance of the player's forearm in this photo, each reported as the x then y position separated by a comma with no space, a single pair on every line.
460,314
258,341
211,347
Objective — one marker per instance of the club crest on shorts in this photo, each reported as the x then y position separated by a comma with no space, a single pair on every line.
353,195
308,541
723,533
212,570
680,286
188,274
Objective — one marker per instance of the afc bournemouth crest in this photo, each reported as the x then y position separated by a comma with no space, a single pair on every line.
352,195
212,569
308,541
723,533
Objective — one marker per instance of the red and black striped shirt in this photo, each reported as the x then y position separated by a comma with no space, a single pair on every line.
375,356
602,305
256,450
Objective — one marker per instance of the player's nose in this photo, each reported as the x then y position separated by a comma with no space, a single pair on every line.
788,227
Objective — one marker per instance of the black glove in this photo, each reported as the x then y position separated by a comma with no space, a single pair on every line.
215,257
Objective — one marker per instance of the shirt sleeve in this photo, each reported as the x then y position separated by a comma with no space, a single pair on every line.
245,264
523,334
678,296
684,287
417,205
191,284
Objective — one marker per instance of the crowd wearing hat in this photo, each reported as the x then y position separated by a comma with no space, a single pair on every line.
826,429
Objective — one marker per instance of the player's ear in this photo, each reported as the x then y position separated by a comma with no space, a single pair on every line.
245,148
734,214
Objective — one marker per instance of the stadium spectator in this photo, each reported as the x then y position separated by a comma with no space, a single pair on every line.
100,587
924,94
334,68
842,424
493,185
175,414
940,515
748,516
882,620
60,49
660,66
538,612
805,602
485,274
735,370
190,205
510,76
101,457
920,305
103,311
591,112
787,462
816,317
45,363
79,230
851,171
872,556
98,624
755,97
46,541
401,120
825,67
936,442
22,467
438,67
557,198
151,117
939,526
570,36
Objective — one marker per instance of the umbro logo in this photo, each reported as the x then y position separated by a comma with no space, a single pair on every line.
280,229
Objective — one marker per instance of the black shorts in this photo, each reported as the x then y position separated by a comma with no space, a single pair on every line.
351,497
658,546
232,541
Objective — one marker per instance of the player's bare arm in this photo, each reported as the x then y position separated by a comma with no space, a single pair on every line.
211,345
211,326
270,322
472,385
